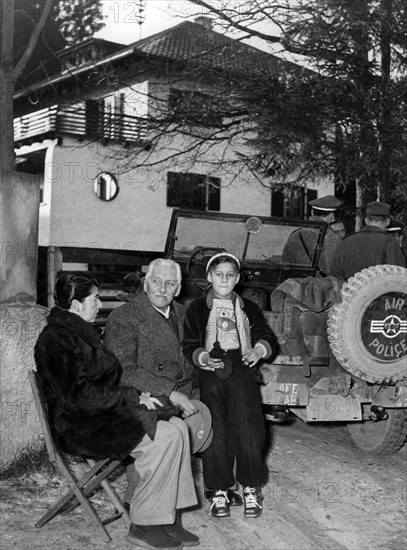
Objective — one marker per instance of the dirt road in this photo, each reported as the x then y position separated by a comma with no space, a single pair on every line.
322,494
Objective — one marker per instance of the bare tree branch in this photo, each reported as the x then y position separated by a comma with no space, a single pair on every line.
18,69
222,13
7,35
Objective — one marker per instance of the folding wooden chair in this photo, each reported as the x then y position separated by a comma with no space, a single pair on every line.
82,488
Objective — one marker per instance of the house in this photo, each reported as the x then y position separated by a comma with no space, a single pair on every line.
124,134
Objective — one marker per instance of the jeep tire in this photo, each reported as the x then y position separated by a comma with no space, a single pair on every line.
382,437
367,331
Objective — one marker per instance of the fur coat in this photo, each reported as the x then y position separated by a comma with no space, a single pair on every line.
90,413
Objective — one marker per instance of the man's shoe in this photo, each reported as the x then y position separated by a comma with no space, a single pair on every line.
219,505
252,502
234,498
176,531
152,537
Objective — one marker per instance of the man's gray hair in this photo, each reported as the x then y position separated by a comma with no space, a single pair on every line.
167,262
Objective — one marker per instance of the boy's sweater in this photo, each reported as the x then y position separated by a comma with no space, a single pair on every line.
196,321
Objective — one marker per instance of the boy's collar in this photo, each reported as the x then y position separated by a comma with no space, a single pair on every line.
211,296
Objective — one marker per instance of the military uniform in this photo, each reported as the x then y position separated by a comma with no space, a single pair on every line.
370,246
300,246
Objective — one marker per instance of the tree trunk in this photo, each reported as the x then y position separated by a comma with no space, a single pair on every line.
384,123
19,193
359,206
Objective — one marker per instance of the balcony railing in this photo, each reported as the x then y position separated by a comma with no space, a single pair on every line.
82,122
35,124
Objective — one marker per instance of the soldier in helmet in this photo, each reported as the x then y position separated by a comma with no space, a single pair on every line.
368,247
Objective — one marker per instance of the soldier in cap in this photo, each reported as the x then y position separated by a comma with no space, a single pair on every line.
370,246
300,245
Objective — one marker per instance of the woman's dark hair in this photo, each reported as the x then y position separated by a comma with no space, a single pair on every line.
73,287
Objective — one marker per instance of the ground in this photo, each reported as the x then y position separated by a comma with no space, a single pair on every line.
322,494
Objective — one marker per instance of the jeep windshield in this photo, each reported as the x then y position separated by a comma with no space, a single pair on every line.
257,241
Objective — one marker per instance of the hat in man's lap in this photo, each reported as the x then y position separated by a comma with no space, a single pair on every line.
200,427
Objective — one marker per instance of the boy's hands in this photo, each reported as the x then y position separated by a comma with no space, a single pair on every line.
252,356
213,364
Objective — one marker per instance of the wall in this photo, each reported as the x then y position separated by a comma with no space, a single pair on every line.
138,217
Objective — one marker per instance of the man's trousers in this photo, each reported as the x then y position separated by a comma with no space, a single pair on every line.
164,481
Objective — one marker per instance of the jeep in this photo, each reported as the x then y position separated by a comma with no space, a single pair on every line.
342,348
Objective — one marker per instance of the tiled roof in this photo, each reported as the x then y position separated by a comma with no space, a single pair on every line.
191,41
188,42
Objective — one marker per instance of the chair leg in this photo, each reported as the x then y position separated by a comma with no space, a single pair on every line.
77,492
95,483
114,497
58,508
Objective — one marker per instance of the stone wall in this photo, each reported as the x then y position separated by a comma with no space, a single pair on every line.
21,321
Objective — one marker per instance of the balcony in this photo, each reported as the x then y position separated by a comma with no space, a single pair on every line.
88,121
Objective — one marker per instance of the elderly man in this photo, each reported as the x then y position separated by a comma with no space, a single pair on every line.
145,336
300,246
370,246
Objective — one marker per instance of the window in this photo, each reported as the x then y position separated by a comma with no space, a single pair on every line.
105,186
94,118
293,203
194,191
120,115
193,107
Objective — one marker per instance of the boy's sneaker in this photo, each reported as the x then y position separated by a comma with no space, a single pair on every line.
252,499
220,505
233,497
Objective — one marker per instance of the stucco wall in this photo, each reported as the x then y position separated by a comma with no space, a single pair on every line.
138,217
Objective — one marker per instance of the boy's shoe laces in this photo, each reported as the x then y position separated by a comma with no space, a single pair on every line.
220,499
252,498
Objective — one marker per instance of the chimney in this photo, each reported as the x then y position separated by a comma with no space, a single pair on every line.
204,21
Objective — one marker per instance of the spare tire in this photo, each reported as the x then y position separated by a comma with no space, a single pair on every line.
367,331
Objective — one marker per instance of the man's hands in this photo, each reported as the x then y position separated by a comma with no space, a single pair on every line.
177,398
187,407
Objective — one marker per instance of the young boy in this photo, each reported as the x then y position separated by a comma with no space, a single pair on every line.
226,336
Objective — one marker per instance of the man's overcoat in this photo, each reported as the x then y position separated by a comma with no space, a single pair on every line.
369,246
148,347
